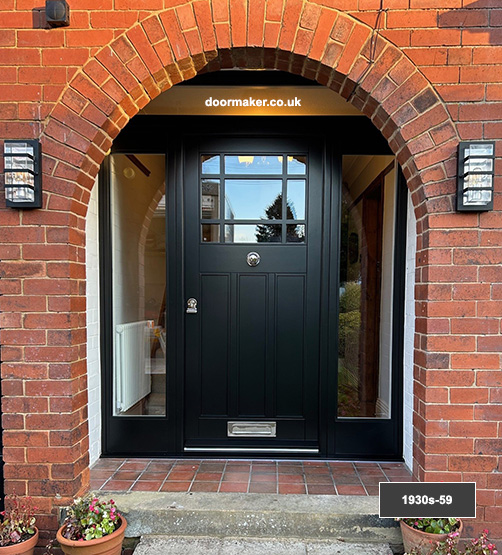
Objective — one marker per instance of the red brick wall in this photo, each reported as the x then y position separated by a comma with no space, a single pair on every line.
431,76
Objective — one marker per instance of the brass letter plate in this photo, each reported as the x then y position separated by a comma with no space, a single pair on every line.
251,429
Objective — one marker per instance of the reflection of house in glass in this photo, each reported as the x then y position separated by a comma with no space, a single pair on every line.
210,197
210,209
229,215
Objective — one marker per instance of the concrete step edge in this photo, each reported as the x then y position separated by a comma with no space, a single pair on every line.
181,545
256,515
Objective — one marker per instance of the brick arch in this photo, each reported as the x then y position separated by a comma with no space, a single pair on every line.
316,42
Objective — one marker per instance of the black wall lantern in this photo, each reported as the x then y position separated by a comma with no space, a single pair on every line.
23,188
475,176
57,13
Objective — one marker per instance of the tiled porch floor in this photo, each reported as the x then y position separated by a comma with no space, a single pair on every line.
245,476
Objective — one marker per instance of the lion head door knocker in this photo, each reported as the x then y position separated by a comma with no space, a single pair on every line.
253,259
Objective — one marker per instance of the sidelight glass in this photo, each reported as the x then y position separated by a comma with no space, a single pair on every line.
366,287
138,253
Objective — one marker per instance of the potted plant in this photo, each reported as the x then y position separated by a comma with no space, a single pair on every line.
92,527
421,533
18,533
478,546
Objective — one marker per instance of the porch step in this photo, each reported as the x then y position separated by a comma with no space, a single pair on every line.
169,545
345,518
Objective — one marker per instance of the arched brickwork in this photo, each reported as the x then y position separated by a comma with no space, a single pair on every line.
316,42
168,47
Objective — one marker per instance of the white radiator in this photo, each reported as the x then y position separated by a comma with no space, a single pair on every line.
132,370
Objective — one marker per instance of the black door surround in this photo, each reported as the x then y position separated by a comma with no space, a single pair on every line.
333,136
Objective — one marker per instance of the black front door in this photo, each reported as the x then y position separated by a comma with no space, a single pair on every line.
252,231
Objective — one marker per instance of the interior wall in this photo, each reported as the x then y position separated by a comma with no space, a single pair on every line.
93,327
363,170
360,172
409,333
132,193
386,304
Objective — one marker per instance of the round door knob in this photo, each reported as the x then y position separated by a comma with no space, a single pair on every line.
253,259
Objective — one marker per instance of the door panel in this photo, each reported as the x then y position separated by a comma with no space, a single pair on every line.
249,353
289,344
252,363
215,344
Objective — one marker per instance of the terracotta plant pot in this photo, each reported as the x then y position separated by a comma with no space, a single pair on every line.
24,548
107,545
423,540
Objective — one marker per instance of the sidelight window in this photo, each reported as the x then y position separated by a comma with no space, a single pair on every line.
138,254
366,286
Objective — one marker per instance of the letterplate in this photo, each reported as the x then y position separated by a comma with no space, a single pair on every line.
251,429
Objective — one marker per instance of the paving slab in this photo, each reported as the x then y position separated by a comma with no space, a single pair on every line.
167,545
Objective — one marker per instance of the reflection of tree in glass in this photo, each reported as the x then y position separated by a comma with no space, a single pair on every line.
348,350
273,233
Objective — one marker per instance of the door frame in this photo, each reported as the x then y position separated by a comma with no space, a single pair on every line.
163,436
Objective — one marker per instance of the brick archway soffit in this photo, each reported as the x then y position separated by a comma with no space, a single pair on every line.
305,38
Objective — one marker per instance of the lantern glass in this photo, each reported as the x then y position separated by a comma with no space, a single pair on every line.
19,156
477,196
20,194
20,179
478,165
482,149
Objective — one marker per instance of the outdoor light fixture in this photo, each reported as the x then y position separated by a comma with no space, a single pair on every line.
23,187
475,176
57,13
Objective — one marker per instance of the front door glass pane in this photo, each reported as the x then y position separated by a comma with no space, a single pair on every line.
295,233
366,284
261,233
253,199
139,284
297,165
210,199
245,200
296,199
210,164
253,164
210,233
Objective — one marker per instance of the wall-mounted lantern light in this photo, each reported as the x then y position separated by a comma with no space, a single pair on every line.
57,13
23,188
475,176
